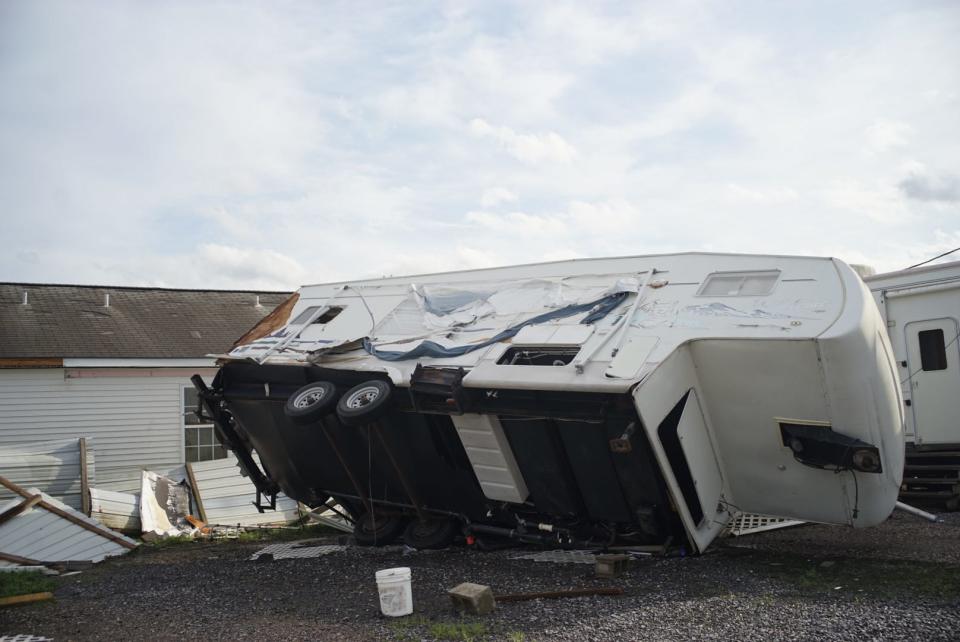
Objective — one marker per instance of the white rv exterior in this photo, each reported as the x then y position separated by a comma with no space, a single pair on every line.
750,343
921,310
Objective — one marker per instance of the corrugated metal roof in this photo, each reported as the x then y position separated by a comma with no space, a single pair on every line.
119,511
51,466
72,321
40,534
227,497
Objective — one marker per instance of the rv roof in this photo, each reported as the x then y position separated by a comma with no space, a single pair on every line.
406,278
910,274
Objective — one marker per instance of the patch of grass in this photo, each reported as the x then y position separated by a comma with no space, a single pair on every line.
24,582
167,542
516,636
286,534
862,577
404,628
465,631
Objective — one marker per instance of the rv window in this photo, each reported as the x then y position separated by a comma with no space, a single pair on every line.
326,317
758,283
933,352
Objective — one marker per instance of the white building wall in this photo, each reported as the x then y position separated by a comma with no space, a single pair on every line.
134,418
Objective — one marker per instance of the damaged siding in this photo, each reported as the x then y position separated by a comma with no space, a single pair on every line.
134,422
227,497
52,466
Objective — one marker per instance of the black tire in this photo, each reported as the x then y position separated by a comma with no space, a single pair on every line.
377,530
311,403
365,403
430,533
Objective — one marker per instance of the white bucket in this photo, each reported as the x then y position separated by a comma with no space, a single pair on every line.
396,596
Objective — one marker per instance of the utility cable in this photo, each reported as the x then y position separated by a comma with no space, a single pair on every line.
939,256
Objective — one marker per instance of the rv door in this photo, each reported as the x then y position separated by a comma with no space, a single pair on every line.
933,361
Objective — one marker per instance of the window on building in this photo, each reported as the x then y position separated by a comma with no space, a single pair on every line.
933,351
754,283
200,439
326,317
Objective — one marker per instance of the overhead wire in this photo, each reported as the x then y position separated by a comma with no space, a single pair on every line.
939,256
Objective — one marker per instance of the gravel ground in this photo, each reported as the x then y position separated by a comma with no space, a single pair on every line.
900,581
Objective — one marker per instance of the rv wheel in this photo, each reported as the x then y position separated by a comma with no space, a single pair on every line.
311,402
372,529
365,403
430,533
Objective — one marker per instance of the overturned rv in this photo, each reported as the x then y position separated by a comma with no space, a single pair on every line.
632,400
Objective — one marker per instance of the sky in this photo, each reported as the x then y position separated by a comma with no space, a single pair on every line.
271,144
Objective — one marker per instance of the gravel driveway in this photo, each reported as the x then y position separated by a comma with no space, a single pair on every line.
900,581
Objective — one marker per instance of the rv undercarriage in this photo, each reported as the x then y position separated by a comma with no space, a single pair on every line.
437,459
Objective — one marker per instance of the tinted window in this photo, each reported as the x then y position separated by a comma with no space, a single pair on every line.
326,317
933,352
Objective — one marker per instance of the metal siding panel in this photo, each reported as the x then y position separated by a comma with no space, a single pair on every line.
51,466
115,510
231,496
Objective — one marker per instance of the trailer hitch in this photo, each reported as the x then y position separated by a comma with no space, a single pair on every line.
210,407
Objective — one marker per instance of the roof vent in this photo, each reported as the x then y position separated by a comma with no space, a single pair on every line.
106,300
26,297
257,304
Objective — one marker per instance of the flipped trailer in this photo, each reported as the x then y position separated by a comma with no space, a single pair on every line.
921,309
630,401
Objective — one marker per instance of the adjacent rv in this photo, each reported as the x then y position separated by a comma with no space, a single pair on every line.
921,309
636,400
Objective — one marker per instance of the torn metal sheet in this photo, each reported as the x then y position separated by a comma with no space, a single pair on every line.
298,550
164,506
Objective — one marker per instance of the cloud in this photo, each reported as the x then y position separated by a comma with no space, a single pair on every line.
944,188
528,148
883,135
177,143
493,196
518,224
770,195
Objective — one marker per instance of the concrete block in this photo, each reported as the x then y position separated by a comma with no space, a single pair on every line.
611,565
475,599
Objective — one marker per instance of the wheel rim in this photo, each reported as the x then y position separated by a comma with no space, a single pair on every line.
362,397
309,398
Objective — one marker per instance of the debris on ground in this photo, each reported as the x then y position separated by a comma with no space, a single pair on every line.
298,550
560,557
555,595
116,510
38,530
900,582
475,599
164,506
611,564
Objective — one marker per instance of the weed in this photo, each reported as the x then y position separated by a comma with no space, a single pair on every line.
516,636
24,582
167,542
465,631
